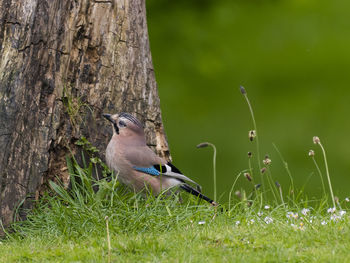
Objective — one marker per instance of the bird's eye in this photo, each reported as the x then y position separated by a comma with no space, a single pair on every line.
121,124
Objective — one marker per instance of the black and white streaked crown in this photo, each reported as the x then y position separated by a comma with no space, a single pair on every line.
131,118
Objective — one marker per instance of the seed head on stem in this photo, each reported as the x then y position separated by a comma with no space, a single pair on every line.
317,140
242,89
252,135
247,175
267,160
311,153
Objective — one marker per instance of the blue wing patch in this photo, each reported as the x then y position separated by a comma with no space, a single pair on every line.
148,170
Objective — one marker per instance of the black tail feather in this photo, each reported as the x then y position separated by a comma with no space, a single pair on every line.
194,192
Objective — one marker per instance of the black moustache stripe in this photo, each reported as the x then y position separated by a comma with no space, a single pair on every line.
116,127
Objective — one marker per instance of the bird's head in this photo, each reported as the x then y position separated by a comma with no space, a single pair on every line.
125,124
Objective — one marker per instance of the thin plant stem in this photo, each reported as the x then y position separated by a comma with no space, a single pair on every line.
206,144
243,91
98,178
250,167
254,124
261,200
229,197
270,181
287,169
321,176
257,193
327,172
113,187
214,168
251,174
281,195
108,240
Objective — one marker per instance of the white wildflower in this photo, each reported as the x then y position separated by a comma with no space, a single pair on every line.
238,223
347,199
335,217
323,223
201,222
342,212
305,211
268,220
251,221
292,215
267,207
260,213
331,210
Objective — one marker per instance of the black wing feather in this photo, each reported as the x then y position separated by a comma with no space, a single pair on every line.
194,192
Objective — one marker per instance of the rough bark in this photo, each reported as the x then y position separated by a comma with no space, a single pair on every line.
62,64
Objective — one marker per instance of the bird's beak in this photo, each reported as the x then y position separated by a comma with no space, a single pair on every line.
108,117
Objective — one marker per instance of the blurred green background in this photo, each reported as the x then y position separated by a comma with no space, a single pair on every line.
293,59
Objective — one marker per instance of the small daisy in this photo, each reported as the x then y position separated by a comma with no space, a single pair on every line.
292,215
268,220
267,207
335,217
251,221
331,210
305,211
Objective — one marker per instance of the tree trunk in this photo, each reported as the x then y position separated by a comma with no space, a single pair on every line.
62,64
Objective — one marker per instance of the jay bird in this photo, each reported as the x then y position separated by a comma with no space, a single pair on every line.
137,165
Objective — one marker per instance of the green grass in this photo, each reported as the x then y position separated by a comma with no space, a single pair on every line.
71,227
158,238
